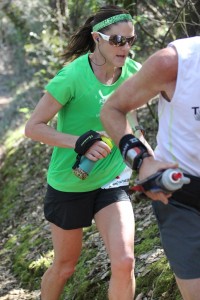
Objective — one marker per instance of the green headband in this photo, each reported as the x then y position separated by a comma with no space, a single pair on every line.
112,20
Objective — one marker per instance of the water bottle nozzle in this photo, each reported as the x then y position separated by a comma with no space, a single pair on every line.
176,176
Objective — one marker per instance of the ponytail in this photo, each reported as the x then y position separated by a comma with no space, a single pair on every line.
81,42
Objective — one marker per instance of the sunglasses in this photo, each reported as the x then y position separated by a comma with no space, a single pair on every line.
118,40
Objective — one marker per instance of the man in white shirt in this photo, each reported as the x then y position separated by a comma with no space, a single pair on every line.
174,74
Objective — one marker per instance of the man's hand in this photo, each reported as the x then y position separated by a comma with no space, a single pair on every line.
151,166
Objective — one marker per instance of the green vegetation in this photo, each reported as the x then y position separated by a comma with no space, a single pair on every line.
16,218
148,239
161,280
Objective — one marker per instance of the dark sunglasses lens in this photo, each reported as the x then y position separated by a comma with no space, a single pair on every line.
131,40
118,40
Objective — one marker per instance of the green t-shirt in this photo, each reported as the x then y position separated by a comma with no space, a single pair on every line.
82,95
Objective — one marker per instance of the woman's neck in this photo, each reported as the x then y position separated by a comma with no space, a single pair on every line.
106,73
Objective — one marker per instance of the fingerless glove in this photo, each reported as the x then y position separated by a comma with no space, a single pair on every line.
86,140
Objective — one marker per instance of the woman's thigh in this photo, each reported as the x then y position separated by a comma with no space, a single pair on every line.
115,223
67,244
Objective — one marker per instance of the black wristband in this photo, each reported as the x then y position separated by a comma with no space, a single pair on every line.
85,141
133,151
127,142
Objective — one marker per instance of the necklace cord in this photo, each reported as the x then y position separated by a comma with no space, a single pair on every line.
99,65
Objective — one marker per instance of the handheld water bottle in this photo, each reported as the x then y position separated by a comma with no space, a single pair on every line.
166,181
86,165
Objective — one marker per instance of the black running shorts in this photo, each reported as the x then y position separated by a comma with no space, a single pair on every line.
76,210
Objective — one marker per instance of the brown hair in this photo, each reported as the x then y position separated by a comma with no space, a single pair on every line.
81,42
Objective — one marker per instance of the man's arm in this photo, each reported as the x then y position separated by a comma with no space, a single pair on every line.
156,74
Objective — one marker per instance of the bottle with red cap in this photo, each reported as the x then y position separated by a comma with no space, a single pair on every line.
172,180
166,181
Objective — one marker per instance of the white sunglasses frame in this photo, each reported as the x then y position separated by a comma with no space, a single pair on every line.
106,37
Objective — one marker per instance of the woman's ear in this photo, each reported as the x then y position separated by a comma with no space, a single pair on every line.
95,36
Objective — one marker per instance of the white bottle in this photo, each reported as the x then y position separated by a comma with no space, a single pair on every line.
171,180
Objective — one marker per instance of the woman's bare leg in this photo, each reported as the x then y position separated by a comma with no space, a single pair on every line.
67,247
116,226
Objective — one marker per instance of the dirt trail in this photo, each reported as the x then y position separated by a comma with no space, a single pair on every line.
9,286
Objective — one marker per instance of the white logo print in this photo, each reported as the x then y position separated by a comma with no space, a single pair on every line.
103,98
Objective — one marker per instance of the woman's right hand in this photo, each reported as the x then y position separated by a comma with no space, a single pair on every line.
98,151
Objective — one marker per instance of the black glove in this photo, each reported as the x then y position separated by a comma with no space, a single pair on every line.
86,140
133,151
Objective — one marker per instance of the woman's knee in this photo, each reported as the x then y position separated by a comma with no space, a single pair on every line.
64,270
123,265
